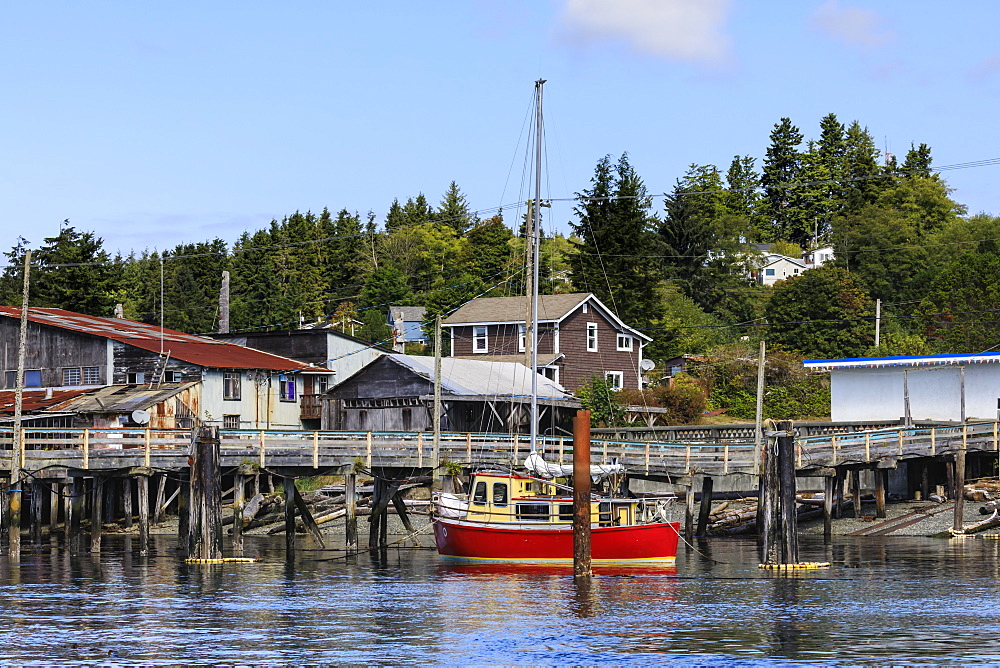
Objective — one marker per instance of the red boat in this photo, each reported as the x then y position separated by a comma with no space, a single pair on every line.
519,518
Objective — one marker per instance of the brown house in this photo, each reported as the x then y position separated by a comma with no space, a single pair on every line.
578,337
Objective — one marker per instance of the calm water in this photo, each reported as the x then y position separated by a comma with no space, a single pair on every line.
902,600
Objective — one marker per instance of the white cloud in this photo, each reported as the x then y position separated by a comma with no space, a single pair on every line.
853,25
688,30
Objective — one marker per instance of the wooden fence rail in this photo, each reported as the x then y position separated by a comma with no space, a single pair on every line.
105,449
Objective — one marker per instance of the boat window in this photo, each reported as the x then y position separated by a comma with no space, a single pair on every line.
604,516
480,495
565,512
500,494
533,512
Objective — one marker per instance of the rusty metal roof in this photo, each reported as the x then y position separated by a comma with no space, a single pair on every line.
34,400
198,350
121,398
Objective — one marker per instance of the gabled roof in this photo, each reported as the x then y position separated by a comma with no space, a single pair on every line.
773,258
551,309
908,361
408,313
476,377
198,350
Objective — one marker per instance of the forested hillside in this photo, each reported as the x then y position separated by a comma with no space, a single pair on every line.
676,266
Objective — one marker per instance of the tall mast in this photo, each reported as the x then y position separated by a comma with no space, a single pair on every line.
535,244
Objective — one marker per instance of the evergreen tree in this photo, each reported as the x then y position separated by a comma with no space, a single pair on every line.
347,256
394,218
863,176
918,162
743,197
454,211
192,277
73,273
782,174
617,241
488,251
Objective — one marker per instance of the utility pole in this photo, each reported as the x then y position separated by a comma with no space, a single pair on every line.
14,538
878,321
437,390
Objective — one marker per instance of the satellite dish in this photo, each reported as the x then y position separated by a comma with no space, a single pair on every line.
647,365
140,417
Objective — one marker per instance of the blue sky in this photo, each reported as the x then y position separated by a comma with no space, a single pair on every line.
153,124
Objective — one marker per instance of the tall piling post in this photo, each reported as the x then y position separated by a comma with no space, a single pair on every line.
54,498
142,483
77,509
581,497
959,488
351,515
239,502
829,485
689,504
769,505
289,489
880,484
789,519
127,508
96,514
205,524
35,519
705,509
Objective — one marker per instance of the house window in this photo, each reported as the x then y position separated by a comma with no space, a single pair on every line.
321,384
286,388
769,272
91,375
231,385
624,342
521,337
71,376
230,421
592,337
31,378
585,310
136,378
615,379
173,377
479,340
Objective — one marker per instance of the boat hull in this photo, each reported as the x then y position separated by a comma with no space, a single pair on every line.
640,544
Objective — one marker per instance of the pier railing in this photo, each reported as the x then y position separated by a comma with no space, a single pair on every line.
107,449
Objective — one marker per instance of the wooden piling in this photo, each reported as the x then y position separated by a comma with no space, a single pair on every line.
880,480
289,487
142,483
839,490
205,525
856,491
239,503
96,514
351,506
127,501
789,518
925,480
400,506
35,516
77,509
54,497
770,504
689,504
375,517
960,488
581,497
829,485
706,505
161,494
184,514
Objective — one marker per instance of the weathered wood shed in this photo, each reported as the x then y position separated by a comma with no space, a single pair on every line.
396,392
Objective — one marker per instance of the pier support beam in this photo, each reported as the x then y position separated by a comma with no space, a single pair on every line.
856,491
54,497
780,535
705,509
205,523
829,487
959,488
37,503
127,501
239,502
581,498
289,487
142,483
689,511
96,514
78,506
351,508
881,477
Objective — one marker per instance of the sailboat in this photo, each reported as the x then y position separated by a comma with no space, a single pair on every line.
526,516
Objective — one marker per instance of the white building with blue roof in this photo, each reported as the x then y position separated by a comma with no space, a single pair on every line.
940,388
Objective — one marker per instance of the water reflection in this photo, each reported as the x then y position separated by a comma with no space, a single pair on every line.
911,600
